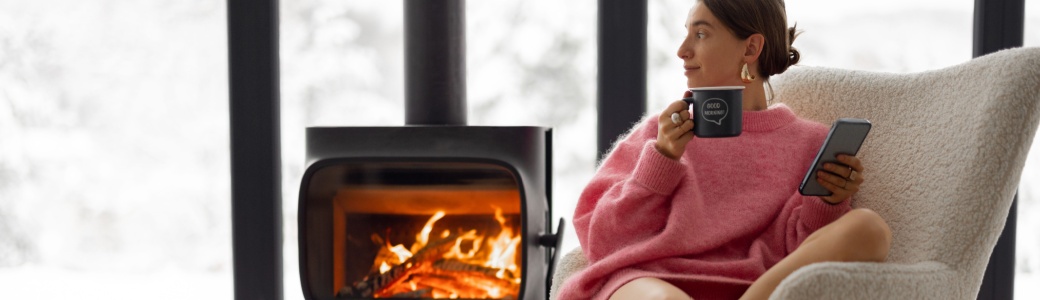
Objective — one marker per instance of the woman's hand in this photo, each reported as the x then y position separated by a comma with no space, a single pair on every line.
842,179
671,137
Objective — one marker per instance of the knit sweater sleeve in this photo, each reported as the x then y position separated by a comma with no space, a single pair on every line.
808,214
629,197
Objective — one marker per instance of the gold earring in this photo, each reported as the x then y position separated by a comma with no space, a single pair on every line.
745,75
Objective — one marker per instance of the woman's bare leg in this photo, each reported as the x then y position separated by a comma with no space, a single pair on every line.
859,235
649,289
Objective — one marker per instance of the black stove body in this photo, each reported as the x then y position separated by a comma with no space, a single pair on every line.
361,181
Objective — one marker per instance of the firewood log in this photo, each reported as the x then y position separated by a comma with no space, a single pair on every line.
420,293
460,266
450,284
375,283
465,283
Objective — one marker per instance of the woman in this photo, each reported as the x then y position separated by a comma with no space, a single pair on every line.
671,216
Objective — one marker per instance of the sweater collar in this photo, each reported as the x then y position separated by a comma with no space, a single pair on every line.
772,118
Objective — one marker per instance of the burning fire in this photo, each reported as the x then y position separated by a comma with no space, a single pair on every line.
453,265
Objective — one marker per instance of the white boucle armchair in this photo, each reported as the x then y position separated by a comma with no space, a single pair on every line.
943,162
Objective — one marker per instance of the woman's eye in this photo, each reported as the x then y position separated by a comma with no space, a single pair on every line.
700,35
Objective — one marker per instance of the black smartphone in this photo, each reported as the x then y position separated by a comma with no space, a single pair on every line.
846,137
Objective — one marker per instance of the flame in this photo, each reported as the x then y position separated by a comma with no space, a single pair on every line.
424,236
473,239
473,253
503,251
402,253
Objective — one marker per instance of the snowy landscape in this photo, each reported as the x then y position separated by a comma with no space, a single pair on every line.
114,166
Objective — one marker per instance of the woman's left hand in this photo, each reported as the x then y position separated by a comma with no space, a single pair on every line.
842,179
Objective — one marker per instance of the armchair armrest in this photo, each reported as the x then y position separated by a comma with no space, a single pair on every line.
837,280
573,262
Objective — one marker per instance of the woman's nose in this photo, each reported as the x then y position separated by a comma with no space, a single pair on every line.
684,52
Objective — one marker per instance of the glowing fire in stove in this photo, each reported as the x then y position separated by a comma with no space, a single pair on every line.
466,264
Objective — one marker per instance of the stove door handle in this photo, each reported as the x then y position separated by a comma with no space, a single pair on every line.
554,242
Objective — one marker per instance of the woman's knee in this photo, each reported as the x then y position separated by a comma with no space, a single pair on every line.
866,234
650,289
662,294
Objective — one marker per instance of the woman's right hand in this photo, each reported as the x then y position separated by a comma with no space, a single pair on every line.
672,138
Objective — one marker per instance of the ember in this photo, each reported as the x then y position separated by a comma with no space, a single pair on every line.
466,264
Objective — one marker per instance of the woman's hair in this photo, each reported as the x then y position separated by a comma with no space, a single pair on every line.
768,17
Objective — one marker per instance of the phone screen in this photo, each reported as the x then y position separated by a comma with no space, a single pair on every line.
846,137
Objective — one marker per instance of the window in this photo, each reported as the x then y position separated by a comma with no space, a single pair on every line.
1027,243
114,161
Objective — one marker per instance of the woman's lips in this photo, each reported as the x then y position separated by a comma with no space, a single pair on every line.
690,70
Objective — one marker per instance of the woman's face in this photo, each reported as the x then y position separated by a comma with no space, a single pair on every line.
712,55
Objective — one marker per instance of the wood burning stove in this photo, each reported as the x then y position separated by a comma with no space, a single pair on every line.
426,212
434,209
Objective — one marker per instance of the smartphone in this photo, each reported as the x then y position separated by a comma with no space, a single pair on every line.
846,137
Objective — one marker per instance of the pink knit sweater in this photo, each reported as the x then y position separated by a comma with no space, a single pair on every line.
710,223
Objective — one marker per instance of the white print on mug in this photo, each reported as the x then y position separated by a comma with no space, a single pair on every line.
714,110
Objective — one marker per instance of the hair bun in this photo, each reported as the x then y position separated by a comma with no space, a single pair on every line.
793,57
792,54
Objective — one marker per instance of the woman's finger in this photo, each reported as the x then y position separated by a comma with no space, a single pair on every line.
685,138
827,185
858,178
837,193
852,187
664,119
677,106
857,169
671,135
835,180
842,179
851,161
675,133
840,170
687,127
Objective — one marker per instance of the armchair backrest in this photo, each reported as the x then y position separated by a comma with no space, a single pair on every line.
946,151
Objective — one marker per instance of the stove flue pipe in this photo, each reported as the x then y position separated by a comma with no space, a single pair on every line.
435,62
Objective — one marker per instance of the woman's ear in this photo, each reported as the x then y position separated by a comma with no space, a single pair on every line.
753,47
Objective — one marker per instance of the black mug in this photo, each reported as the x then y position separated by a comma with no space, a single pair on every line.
717,111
